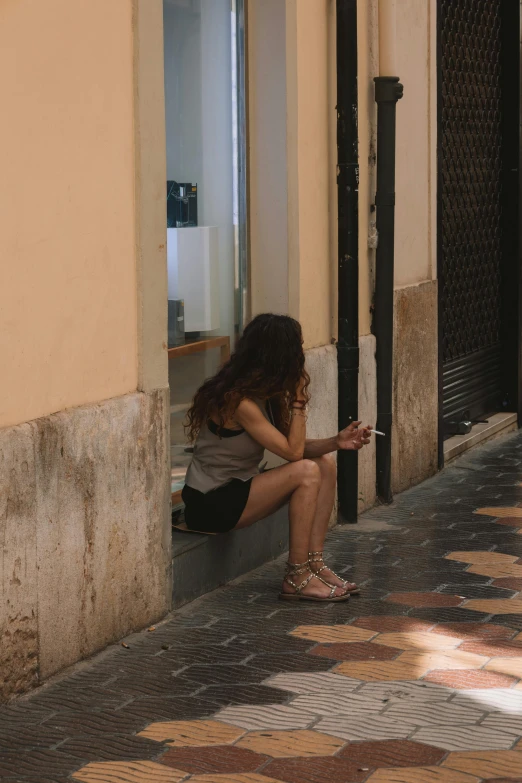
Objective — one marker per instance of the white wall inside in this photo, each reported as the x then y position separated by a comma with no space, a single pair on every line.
198,97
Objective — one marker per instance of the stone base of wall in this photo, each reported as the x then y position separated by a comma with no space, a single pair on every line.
85,533
368,415
415,414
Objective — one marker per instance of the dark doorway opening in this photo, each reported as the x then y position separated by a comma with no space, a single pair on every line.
478,210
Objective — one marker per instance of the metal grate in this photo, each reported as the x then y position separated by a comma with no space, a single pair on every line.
470,184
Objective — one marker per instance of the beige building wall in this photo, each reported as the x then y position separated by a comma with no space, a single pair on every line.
68,322
84,473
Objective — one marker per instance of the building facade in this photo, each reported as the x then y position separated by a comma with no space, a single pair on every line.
116,304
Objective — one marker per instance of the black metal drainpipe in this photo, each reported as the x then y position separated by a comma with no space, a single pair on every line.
348,239
388,91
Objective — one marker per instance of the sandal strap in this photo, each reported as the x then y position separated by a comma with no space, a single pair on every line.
328,584
294,569
304,583
320,559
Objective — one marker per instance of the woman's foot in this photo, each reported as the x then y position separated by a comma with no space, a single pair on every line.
301,582
319,567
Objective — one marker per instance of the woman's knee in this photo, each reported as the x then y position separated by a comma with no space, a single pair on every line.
308,472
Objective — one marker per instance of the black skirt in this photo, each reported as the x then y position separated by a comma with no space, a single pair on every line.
217,511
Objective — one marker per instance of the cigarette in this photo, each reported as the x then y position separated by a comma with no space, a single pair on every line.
376,432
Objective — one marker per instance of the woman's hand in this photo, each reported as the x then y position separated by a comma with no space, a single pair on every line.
352,438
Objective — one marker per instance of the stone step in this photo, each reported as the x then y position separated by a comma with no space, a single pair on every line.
201,563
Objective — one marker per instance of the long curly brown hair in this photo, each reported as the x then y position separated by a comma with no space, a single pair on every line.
268,364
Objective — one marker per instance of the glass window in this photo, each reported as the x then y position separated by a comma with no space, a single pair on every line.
206,234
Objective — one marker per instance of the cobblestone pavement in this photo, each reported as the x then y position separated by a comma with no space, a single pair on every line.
417,680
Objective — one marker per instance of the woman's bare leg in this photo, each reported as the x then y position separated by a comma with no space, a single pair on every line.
325,502
298,483
323,512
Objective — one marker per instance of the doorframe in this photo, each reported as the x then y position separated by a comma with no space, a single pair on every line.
519,320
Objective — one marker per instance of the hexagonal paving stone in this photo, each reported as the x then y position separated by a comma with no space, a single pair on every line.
247,777
410,691
387,624
463,679
128,772
476,557
495,605
313,683
281,744
504,700
449,659
500,511
495,570
510,724
509,583
330,634
420,775
470,631
510,666
356,651
435,714
417,641
503,780
362,727
510,521
485,764
392,753
376,671
339,704
324,769
461,738
186,733
213,759
494,649
424,600
268,716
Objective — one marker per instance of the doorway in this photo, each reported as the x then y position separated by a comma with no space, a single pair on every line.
478,204
204,45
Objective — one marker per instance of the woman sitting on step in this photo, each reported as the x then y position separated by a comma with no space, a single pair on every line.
258,401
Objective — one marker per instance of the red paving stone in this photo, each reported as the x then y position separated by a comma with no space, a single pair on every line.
466,679
469,631
385,624
356,651
425,600
392,753
510,521
509,583
217,759
494,650
322,769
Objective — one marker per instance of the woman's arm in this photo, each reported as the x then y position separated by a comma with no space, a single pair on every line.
291,448
318,447
350,439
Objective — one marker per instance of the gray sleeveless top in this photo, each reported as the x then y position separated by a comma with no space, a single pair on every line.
219,458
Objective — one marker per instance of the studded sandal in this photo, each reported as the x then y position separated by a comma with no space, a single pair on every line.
297,569
317,557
